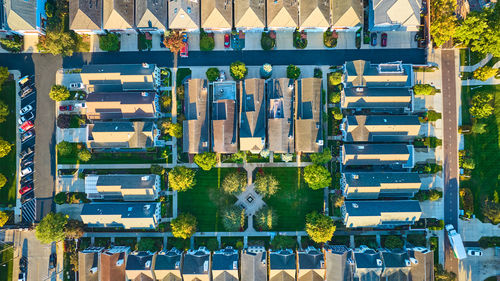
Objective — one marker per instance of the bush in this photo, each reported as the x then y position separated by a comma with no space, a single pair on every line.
321,158
3,180
438,226
393,242
234,183
61,198
267,43
109,42
484,73
5,147
14,45
59,93
334,78
432,116
65,148
206,160
431,194
298,41
424,90
491,211
84,155
238,70
207,43
233,218
147,244
213,74
292,72
481,105
330,38
283,242
318,73
489,242
334,97
63,121
266,218
266,185
337,113
157,170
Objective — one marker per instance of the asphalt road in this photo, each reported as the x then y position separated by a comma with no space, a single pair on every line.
450,141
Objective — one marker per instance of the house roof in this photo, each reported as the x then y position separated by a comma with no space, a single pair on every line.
85,15
338,266
423,270
282,260
396,264
369,179
168,260
377,154
308,122
253,115
314,13
152,14
347,13
383,98
196,126
121,105
224,134
110,77
216,14
184,14
362,73
367,258
88,264
311,258
118,14
112,265
373,185
280,119
381,128
381,207
249,13
125,210
122,187
282,276
122,69
22,15
121,135
253,264
393,14
196,262
140,263
282,13
225,259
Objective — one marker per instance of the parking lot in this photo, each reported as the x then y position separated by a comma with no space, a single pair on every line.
480,268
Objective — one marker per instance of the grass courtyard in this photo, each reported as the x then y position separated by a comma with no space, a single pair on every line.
484,149
8,133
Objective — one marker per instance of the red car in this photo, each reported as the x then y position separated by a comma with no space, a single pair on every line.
26,126
25,189
383,40
184,50
227,39
65,108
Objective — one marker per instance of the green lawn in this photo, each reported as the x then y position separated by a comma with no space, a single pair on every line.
8,133
6,257
470,58
139,157
294,199
484,148
206,200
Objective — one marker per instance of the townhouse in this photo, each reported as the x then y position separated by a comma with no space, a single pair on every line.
123,187
311,264
130,215
197,265
121,134
23,16
88,264
225,265
224,118
282,265
395,156
376,185
389,15
254,263
196,127
167,265
112,263
140,266
217,15
280,130
308,136
380,128
252,123
380,213
122,105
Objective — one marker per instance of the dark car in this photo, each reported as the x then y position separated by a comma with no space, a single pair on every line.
26,152
27,179
52,261
373,39
383,40
27,91
28,135
358,39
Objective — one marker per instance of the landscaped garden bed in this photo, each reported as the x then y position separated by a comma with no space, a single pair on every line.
268,40
235,242
210,242
8,133
126,241
299,39
144,41
341,240
12,43
417,239
178,243
367,240
330,38
259,241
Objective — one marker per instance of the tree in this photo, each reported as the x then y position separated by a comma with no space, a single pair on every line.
184,226
484,73
84,155
213,74
337,113
471,28
4,111
58,42
166,102
491,211
317,176
51,228
334,97
207,43
266,218
488,41
181,178
234,183
233,218
393,242
74,229
440,274
443,20
4,75
481,105
206,160
14,45
4,218
293,72
65,148
334,78
321,158
238,70
61,198
3,180
319,227
266,184
5,147
175,130
173,41
478,128
432,115
109,42
157,170
63,121
424,90
59,93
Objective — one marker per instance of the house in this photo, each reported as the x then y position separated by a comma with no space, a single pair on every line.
123,187
390,15
151,15
224,133
379,100
120,77
362,73
140,266
85,17
167,265
282,265
216,14
339,263
314,14
380,213
375,185
113,263
368,264
347,14
280,130
252,115
249,14
311,265
88,264
25,16
422,264
196,265
380,128
122,105
124,215
308,132
196,127
254,264
114,135
397,264
282,14
225,265
184,15
118,15
394,155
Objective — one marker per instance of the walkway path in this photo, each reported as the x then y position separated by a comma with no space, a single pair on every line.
471,68
474,82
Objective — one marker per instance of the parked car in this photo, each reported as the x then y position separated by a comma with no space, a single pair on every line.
24,80
222,75
358,39
26,136
22,276
26,91
26,152
23,263
26,126
27,162
26,171
76,86
227,40
383,40
476,253
25,189
26,109
184,37
80,105
52,260
184,50
373,39
65,108
27,179
26,117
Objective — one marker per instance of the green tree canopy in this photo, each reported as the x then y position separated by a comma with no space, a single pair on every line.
443,20
181,178
334,78
337,113
238,70
213,74
65,148
59,93
489,39
481,105
109,42
393,242
478,128
424,90
4,111
84,155
4,218
207,43
184,226
266,218
233,218
206,160
293,72
321,157
175,130
319,227
74,229
266,184
234,183
3,180
58,42
5,147
283,242
147,244
491,210
51,228
471,28
334,97
317,176
484,73
4,75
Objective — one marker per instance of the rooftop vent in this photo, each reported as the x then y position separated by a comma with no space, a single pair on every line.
145,178
361,147
144,94
414,260
235,265
205,266
379,262
204,144
119,262
355,205
145,65
129,209
408,263
359,89
385,120
355,176
148,264
93,270
146,207
177,265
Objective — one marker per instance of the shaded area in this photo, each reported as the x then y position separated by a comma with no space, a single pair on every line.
8,133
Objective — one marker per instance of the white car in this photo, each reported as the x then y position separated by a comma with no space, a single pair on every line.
26,171
476,253
76,86
222,76
26,109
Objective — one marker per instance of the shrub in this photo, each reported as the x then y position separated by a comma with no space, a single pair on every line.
334,97
109,42
432,116
65,148
181,178
14,45
84,155
238,70
266,185
330,38
393,242
299,41
213,74
481,105
5,147
207,43
267,43
157,170
318,73
59,93
234,183
489,242
283,242
61,198
337,113
233,218
334,79
292,72
491,211
3,180
266,218
484,73
147,244
206,160
424,90
4,218
317,176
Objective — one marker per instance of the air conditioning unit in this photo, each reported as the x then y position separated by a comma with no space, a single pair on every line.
379,262
148,264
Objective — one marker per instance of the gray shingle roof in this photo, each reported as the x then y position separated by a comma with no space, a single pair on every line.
381,128
280,134
394,15
282,260
85,15
196,127
118,14
253,114
389,154
123,69
311,258
225,259
168,260
196,262
347,13
22,14
151,13
253,265
142,260
424,269
338,266
376,149
375,179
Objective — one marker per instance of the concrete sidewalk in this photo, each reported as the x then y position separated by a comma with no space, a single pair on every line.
474,229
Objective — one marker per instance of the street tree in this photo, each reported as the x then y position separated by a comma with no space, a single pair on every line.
4,218
233,218
471,28
173,41
484,73
206,160
51,228
181,178
184,226
4,75
59,93
481,105
58,42
489,39
238,70
266,184
443,20
234,183
293,72
3,180
321,158
334,97
5,147
213,74
266,218
65,148
4,111
317,176
319,227
424,90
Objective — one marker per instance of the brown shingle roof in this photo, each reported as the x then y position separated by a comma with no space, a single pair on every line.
151,13
280,122
314,13
196,127
224,131
252,122
85,14
282,13
216,14
346,13
118,14
110,271
249,13
307,125
121,105
184,14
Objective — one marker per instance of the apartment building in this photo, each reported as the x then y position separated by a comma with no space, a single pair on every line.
380,213
122,105
123,187
397,156
375,185
130,215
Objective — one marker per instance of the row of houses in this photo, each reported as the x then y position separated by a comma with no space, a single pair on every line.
332,263
28,16
281,115
377,155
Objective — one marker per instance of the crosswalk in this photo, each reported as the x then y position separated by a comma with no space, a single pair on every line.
28,211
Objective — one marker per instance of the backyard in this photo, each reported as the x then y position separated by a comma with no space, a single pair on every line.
8,133
483,148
